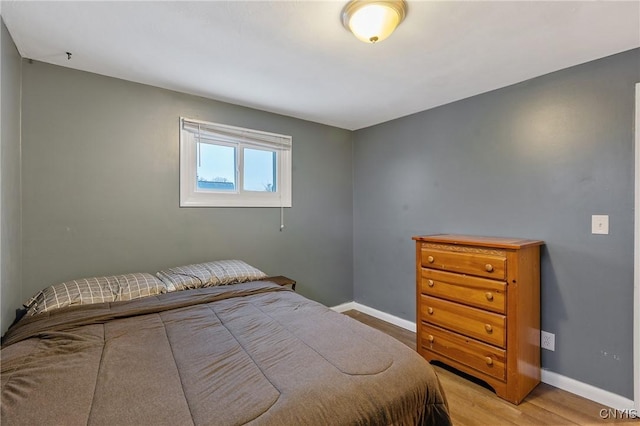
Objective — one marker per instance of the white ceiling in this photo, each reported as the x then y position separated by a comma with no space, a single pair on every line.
296,59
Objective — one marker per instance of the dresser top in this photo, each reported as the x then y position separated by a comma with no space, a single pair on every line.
497,242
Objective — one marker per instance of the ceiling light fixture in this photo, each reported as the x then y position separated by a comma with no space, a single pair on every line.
372,21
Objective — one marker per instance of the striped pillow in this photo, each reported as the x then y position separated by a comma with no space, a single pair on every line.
94,290
209,274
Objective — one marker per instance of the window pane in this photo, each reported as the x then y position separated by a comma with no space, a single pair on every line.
216,168
259,170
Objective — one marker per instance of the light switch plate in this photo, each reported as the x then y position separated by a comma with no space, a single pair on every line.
600,224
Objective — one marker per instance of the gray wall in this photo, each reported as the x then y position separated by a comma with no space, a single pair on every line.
10,239
532,160
101,196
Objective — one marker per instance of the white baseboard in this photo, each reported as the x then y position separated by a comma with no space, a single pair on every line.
392,319
568,384
584,390
349,306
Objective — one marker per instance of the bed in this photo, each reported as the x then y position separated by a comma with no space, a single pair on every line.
249,353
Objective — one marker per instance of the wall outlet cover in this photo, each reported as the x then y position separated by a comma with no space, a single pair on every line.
547,341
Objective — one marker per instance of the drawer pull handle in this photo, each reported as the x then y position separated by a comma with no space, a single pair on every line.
488,360
430,283
489,296
430,310
488,267
488,328
431,339
430,259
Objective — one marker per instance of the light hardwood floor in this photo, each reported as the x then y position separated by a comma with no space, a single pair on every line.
473,403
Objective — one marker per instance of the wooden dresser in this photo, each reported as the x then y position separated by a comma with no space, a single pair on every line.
478,308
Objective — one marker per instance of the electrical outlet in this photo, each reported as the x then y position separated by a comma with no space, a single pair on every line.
548,341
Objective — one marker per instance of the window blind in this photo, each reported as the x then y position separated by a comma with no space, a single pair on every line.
221,132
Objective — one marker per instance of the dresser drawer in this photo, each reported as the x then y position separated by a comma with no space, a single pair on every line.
474,263
482,325
480,356
473,291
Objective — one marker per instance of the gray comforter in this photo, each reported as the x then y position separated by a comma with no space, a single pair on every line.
252,353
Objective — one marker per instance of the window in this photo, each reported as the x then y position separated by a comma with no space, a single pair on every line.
225,166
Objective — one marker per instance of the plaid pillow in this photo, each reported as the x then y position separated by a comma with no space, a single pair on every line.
219,272
235,271
188,277
94,290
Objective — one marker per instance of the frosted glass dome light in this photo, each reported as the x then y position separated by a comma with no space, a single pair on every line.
373,21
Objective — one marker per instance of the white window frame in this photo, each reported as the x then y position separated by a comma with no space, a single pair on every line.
191,196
